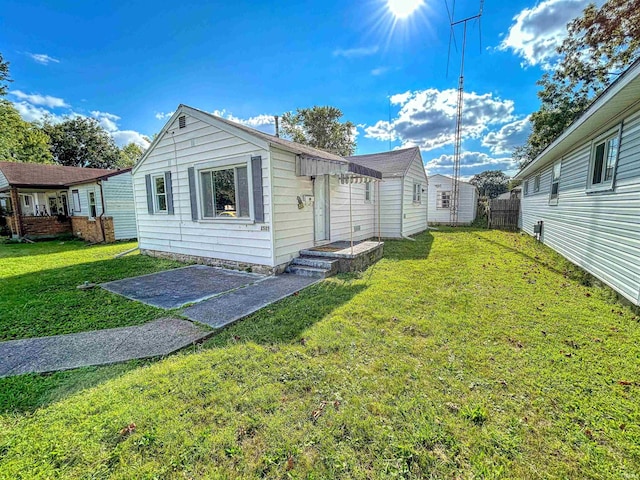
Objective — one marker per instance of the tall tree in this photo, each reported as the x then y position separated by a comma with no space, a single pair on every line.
129,155
320,127
599,45
81,142
4,76
21,141
490,183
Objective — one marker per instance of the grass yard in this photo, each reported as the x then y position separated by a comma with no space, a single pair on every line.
38,294
465,354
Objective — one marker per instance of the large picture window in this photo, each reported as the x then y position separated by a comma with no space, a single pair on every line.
604,156
225,193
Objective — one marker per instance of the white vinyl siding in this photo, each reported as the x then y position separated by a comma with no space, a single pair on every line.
363,213
600,231
83,192
201,145
467,206
391,207
414,213
4,183
119,204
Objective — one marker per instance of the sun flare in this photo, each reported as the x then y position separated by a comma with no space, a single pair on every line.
403,8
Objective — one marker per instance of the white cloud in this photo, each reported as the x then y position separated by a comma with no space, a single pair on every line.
262,122
427,118
31,113
537,31
124,137
163,116
509,136
379,71
37,99
107,120
43,58
355,52
468,160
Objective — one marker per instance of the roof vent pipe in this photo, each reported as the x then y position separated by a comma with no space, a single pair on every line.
277,125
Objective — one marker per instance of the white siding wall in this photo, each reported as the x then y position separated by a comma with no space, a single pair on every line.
119,204
3,181
391,207
600,232
196,144
468,201
293,227
363,213
83,191
415,214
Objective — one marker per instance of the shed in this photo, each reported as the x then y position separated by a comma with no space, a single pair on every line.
440,190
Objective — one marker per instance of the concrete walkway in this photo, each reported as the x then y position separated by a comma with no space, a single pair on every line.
98,347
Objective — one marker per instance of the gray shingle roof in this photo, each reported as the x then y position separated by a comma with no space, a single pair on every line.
391,164
286,144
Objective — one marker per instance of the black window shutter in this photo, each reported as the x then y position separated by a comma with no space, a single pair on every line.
168,187
256,175
147,180
193,195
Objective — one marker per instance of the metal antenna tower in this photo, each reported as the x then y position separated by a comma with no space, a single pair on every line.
455,193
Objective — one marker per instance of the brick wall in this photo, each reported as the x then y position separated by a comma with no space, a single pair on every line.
43,226
89,229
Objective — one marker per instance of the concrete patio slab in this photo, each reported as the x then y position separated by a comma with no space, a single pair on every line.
175,288
230,307
98,347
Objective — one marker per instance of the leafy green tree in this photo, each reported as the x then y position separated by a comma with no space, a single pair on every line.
600,44
129,155
21,141
4,76
81,142
490,183
320,127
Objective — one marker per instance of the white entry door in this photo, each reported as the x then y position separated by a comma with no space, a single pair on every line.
321,207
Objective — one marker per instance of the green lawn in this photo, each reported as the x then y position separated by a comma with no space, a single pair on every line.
465,354
38,294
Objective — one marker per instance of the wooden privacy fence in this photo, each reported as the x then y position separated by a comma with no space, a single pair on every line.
503,214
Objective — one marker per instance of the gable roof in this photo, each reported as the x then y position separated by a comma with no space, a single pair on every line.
38,175
609,106
392,164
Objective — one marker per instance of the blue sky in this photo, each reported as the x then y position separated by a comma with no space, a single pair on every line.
129,64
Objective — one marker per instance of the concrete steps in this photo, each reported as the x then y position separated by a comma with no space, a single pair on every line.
314,267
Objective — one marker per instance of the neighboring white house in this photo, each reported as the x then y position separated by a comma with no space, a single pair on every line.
209,189
584,188
41,200
403,191
440,190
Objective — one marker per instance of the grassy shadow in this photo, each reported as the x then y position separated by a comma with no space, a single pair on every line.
409,250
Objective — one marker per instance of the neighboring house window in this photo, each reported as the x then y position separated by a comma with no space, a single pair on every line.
160,194
443,199
604,156
555,183
27,201
76,200
525,188
92,205
367,192
536,184
417,193
225,193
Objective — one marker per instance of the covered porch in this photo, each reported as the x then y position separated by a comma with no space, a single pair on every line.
35,212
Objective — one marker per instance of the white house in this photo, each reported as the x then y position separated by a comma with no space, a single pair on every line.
403,191
215,191
46,200
440,190
583,191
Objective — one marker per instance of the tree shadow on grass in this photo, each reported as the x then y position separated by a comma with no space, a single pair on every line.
407,249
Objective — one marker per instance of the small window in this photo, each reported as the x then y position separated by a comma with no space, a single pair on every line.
92,205
555,183
443,200
367,192
225,193
76,200
417,193
525,188
182,121
536,184
27,201
159,194
604,156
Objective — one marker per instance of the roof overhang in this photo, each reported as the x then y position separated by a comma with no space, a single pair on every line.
101,177
615,103
308,166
